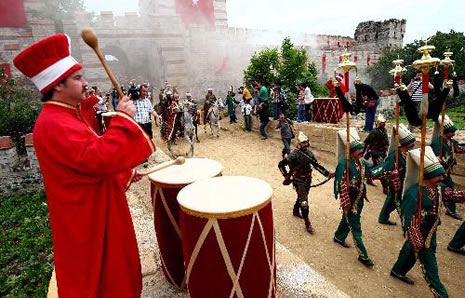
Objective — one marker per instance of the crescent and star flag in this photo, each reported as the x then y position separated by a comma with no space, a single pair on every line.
196,11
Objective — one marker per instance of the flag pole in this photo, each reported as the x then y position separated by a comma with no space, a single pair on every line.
397,72
424,64
446,62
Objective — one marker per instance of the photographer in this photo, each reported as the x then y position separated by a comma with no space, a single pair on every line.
144,108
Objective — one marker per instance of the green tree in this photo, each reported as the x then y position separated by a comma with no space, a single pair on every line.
57,10
18,111
293,70
455,41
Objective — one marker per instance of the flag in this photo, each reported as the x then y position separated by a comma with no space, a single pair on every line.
12,13
196,11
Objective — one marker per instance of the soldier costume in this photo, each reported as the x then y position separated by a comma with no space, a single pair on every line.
421,242
351,197
376,147
387,170
300,162
210,99
449,149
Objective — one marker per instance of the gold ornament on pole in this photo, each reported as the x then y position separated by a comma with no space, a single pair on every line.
347,65
424,64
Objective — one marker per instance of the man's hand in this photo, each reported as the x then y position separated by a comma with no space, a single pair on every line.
127,106
137,177
331,175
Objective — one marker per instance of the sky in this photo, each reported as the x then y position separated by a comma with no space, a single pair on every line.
335,17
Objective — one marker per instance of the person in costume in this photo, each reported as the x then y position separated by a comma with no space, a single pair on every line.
230,101
376,147
172,120
195,113
85,177
210,99
395,177
421,232
457,244
448,159
352,197
301,162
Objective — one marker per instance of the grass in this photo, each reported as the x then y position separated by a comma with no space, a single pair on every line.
455,114
26,249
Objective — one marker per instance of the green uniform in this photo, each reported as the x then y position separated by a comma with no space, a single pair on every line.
393,197
230,101
459,238
422,237
352,200
449,149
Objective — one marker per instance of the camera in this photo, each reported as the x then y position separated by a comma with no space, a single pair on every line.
134,92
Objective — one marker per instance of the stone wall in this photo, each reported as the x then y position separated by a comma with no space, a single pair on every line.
157,45
18,175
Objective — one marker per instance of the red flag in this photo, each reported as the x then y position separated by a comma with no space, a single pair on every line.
323,64
196,11
12,13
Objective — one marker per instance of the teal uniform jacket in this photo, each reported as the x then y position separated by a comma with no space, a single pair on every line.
356,179
230,101
448,155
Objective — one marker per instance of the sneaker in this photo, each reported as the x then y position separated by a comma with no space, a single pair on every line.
341,243
367,262
456,250
387,222
402,278
264,138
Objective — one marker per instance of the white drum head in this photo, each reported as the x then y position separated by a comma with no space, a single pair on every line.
225,197
194,169
108,114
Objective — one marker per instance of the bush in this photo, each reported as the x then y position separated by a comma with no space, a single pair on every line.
26,254
291,67
18,111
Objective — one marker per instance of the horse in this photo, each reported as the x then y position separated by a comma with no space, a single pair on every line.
188,129
214,117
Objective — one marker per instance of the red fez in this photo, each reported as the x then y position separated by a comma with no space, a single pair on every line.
47,61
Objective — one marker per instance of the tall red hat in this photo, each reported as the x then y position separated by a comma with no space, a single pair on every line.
47,61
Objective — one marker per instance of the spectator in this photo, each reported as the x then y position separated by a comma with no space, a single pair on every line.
247,110
367,94
144,110
287,133
300,105
263,109
308,101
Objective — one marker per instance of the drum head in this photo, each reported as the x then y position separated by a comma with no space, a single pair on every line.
194,169
108,114
225,197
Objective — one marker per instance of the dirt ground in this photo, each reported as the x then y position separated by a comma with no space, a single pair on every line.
244,153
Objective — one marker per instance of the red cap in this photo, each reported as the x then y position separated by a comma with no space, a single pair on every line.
340,77
47,61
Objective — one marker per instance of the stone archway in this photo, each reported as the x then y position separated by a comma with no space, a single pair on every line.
118,62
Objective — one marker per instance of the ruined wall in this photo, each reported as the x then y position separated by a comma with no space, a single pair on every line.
157,45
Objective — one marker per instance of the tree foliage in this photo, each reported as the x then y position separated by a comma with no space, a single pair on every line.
291,67
455,41
18,110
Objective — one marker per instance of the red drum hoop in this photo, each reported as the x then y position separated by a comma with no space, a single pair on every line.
228,237
165,186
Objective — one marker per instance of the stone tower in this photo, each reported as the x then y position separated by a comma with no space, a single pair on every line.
381,34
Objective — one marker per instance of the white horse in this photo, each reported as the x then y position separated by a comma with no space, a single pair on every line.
214,117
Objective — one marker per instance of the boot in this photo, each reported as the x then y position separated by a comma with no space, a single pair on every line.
308,225
296,212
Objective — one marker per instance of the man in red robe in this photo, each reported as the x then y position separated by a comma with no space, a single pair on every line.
85,177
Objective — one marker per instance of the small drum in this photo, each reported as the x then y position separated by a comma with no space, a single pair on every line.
106,118
165,185
228,237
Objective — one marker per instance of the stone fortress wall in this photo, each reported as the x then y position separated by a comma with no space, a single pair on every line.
156,45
